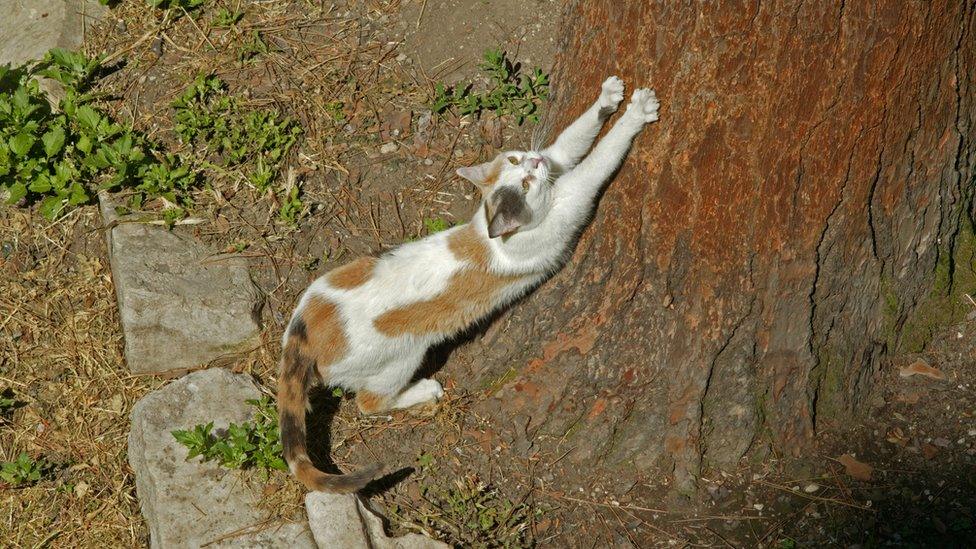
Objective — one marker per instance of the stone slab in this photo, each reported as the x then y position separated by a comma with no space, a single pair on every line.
342,520
181,306
190,504
30,28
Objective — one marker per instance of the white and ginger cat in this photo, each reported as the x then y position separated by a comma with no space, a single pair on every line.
366,326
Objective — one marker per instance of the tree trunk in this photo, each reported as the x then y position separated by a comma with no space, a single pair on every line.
802,210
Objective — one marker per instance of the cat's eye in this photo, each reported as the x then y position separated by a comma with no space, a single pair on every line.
525,183
513,160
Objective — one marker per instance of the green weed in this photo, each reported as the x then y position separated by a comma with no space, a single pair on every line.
335,110
227,18
61,158
510,92
254,142
253,47
436,225
252,444
8,403
24,470
176,4
468,514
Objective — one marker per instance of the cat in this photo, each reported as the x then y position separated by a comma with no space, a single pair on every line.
366,326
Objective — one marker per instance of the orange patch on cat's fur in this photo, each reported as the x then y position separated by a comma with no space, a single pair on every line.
326,337
469,296
492,177
352,275
466,245
371,403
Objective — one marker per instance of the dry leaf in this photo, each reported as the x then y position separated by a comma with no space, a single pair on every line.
897,436
909,398
929,451
921,368
855,468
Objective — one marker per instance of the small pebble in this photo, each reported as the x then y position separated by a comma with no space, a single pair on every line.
811,488
388,148
758,506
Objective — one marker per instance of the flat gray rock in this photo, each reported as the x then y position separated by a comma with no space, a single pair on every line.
181,306
31,27
342,520
190,504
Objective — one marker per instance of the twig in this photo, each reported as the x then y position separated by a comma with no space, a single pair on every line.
815,498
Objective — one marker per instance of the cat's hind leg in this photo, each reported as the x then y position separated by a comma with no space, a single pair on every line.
421,392
425,390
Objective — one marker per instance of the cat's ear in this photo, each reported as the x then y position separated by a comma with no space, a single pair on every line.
507,212
482,175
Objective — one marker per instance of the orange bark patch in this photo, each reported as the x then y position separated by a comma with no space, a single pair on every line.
598,408
326,336
352,275
679,408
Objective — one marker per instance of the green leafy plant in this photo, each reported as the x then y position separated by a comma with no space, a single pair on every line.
23,470
335,110
510,92
253,47
469,513
255,142
62,157
435,225
227,18
176,4
8,403
252,444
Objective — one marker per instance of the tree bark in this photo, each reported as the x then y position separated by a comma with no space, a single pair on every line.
805,199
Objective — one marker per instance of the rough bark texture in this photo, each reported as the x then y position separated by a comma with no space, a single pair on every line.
803,200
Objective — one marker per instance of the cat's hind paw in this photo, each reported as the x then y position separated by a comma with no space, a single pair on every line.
611,94
644,105
424,391
431,387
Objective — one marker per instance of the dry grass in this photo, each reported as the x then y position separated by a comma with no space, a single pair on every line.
62,356
60,338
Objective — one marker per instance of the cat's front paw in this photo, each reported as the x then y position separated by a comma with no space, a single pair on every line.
611,94
643,105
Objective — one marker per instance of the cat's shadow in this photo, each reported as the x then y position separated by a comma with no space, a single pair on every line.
318,423
324,406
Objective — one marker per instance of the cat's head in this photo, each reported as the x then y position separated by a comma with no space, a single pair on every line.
516,190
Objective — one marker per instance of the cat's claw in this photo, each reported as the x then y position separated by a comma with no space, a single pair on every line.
644,105
611,94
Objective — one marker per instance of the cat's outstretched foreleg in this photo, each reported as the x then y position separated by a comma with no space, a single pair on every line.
575,192
573,143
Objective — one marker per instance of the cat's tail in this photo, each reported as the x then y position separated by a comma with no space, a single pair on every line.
297,377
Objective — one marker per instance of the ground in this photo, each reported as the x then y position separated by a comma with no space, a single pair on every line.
376,168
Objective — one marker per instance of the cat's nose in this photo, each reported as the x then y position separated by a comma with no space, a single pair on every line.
534,162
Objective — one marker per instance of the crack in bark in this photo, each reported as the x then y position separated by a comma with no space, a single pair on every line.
811,297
